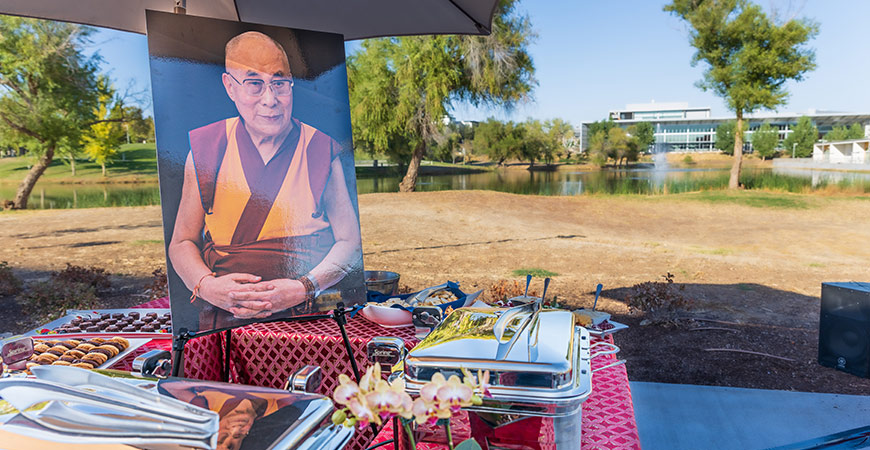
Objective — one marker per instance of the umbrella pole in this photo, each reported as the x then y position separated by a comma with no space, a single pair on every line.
180,7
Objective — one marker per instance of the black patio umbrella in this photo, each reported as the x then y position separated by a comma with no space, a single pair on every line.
355,19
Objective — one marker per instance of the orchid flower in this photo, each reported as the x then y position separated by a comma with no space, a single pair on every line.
346,391
363,413
428,412
429,391
480,383
406,403
371,377
386,401
454,394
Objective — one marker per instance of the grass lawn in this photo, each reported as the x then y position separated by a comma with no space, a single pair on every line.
133,163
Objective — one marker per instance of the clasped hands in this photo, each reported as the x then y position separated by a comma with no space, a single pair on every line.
247,297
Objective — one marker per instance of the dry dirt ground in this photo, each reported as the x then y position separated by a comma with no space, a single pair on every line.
754,273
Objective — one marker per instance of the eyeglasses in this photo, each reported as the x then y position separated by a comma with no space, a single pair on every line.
255,86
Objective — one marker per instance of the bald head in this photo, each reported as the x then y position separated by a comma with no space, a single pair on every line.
257,52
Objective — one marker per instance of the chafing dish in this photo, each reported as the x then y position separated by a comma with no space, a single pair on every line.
70,405
539,364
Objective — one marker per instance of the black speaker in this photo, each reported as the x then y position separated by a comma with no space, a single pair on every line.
844,327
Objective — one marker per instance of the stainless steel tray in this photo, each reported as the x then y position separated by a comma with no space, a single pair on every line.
66,404
46,329
135,343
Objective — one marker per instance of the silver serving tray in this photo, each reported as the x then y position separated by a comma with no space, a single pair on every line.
66,404
135,343
74,313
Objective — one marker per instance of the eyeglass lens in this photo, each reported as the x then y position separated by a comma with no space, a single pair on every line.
257,87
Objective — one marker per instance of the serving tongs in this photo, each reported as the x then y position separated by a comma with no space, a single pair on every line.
99,409
531,311
424,294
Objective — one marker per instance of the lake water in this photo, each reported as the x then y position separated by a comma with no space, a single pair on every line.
638,180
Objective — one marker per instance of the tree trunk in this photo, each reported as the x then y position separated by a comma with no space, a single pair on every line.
72,165
26,186
103,166
409,183
734,181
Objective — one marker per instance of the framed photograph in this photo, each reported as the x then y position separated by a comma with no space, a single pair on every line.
256,170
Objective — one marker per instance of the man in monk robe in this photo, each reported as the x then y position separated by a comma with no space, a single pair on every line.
265,221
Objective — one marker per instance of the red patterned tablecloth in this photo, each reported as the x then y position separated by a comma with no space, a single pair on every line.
266,354
608,414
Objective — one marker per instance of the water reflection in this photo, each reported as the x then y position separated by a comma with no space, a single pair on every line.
639,179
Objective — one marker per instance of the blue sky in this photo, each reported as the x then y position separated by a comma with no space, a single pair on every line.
595,56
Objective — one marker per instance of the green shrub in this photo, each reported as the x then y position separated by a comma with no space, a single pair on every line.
50,299
9,283
688,160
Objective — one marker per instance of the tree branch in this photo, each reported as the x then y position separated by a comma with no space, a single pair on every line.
21,129
87,124
735,350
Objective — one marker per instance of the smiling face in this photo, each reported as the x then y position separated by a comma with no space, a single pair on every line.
255,56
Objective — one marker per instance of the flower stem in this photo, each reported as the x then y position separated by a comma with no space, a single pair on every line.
410,435
449,434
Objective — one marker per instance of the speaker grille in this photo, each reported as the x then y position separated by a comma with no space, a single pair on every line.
844,328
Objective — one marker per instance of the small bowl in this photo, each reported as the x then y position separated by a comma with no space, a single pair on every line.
387,317
382,281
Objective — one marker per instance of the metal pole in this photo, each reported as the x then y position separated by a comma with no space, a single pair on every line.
793,146
180,7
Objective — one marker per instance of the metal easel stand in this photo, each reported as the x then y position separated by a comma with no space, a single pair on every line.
339,314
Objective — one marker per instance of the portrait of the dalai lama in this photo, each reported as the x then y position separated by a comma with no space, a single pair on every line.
265,222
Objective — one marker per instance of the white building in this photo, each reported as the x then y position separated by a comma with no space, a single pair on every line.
681,128
856,151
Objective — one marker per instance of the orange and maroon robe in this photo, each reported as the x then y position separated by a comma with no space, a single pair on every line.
266,219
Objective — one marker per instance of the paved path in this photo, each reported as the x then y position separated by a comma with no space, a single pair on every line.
679,416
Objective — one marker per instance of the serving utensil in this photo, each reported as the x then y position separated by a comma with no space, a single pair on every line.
528,281
597,293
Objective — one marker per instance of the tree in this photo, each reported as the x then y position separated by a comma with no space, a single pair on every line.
725,137
401,88
844,133
598,148
137,128
536,143
562,135
802,137
618,144
643,134
489,140
749,58
764,141
48,93
103,138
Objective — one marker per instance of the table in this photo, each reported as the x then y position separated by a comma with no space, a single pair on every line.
266,354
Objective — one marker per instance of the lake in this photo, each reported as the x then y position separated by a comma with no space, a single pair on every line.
635,180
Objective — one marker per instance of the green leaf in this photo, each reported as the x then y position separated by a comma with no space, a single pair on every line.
469,444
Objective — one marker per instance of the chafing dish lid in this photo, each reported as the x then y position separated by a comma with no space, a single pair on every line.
543,356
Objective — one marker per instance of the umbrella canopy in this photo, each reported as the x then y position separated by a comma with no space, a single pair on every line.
355,19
